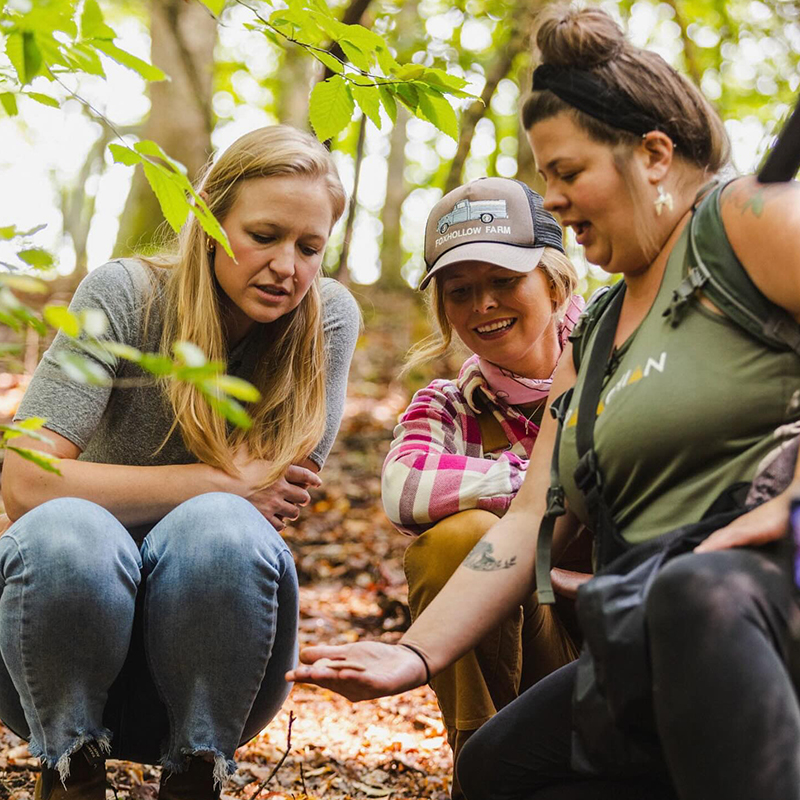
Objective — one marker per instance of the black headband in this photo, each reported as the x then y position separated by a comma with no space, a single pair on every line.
585,91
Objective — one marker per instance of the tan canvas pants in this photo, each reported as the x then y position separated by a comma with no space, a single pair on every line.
530,644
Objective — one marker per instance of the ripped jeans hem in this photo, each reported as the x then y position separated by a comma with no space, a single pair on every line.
61,763
224,767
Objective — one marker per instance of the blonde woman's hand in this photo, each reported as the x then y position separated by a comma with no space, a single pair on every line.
360,671
279,502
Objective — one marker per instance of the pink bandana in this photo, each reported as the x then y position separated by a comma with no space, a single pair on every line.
515,389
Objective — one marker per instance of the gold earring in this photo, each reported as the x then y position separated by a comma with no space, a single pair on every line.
210,246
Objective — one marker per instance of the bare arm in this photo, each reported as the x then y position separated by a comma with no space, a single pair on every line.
494,578
136,495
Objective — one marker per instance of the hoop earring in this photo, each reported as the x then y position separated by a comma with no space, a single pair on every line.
663,199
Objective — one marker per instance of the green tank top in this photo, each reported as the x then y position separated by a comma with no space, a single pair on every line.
685,412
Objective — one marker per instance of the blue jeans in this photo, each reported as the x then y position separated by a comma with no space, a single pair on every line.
172,649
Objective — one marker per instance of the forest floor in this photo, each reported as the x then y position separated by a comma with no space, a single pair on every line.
349,561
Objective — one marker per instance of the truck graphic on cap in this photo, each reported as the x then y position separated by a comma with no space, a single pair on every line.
466,210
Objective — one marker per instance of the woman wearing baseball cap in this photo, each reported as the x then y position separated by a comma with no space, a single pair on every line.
500,281
690,401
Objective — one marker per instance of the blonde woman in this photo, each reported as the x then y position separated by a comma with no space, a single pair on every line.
149,605
502,283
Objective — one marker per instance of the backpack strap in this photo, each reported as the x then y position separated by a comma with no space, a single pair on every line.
581,333
714,269
555,509
588,478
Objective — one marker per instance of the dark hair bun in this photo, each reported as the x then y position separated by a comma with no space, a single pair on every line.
569,36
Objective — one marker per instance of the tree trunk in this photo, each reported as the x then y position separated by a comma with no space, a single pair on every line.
396,193
343,270
183,36
518,43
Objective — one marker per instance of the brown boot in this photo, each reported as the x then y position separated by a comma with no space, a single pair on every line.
86,779
194,783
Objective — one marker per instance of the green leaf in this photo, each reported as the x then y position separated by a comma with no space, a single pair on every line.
44,99
330,107
94,321
437,110
389,103
189,354
357,57
410,72
229,409
238,388
333,64
9,102
125,351
15,50
214,6
147,71
448,84
9,321
32,55
44,460
24,283
210,224
86,59
147,147
124,155
26,315
156,364
36,257
408,95
16,429
81,370
369,102
386,60
12,232
171,197
92,24
61,317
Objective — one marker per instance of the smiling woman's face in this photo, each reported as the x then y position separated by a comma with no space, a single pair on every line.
587,192
504,316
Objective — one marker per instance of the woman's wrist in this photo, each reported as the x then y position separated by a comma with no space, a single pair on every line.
422,657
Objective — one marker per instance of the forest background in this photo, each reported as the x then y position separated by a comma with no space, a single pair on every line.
80,101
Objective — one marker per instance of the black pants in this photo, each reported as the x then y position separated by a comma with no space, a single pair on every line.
726,712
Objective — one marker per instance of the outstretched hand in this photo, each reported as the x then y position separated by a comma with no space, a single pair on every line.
763,524
360,671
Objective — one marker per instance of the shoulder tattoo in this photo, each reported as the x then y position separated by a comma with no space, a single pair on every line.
751,196
480,559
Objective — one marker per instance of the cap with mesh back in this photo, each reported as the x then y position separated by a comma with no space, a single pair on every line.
494,220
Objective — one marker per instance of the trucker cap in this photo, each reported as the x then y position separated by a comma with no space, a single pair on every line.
496,220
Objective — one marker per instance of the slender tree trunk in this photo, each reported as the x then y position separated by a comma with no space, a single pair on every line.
343,270
183,36
396,193
518,43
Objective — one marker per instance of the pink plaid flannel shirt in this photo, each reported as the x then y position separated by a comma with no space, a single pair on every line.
436,465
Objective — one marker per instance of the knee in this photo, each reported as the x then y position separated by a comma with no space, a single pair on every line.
435,555
476,766
697,592
216,533
77,538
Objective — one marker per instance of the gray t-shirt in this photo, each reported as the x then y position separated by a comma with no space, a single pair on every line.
127,423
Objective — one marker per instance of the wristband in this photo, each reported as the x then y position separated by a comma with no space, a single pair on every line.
422,658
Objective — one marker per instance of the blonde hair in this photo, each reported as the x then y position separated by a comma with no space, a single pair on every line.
289,419
561,276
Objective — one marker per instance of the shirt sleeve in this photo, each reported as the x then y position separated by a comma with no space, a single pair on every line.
70,407
436,468
341,325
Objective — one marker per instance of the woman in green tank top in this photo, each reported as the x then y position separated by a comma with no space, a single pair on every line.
625,145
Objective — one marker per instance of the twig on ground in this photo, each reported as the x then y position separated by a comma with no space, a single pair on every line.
303,780
283,758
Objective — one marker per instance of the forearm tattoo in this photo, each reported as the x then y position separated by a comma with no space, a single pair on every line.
480,559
